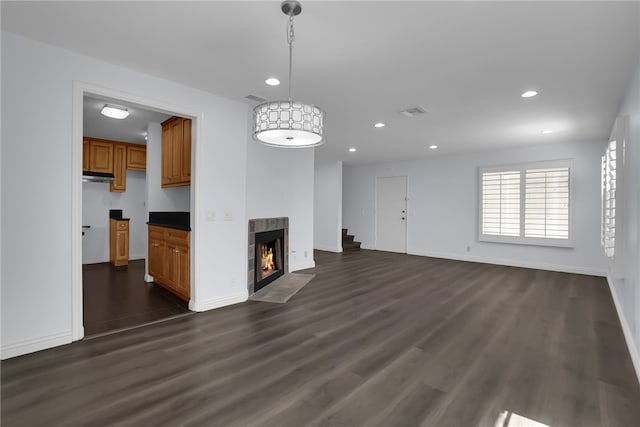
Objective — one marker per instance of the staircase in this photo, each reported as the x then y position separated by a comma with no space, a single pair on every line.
348,244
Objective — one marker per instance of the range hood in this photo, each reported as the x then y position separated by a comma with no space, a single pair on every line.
97,177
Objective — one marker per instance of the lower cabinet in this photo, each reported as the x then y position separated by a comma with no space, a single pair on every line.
119,242
169,259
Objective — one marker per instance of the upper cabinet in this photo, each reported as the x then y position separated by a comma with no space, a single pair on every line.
136,157
119,184
176,152
100,156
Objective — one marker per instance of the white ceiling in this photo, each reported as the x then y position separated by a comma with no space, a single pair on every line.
131,129
363,62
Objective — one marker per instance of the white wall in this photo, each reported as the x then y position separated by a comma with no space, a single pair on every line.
625,289
160,199
96,202
327,205
279,184
37,143
443,207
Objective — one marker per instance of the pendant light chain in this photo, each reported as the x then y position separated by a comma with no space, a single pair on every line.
290,39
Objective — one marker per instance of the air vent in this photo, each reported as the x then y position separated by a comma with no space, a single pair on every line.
413,111
254,98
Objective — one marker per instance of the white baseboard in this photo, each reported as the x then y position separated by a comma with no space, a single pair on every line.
136,257
328,248
35,344
511,263
218,302
302,266
626,330
148,278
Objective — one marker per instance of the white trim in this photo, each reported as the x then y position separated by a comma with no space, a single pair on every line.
218,302
301,266
148,278
79,89
512,263
36,344
328,248
626,330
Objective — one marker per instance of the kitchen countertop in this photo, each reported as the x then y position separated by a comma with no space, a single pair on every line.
177,220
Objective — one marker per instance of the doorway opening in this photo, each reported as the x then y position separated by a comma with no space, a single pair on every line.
112,289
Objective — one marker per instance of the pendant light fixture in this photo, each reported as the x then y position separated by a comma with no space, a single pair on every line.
289,124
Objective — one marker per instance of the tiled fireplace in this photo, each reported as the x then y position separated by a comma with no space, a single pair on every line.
268,251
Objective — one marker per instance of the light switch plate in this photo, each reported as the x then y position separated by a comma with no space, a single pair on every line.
228,216
210,216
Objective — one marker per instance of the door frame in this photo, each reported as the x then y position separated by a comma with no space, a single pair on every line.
80,89
375,208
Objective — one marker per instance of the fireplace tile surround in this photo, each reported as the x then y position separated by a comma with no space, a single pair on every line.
260,225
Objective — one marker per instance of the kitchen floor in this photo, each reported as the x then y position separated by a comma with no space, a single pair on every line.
118,298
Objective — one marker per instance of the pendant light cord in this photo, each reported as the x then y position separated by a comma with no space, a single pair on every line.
290,39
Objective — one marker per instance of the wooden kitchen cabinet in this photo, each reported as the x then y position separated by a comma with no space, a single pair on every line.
100,156
136,157
119,242
85,154
119,184
176,152
170,259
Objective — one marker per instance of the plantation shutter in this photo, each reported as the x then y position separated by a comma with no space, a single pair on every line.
547,203
609,202
501,203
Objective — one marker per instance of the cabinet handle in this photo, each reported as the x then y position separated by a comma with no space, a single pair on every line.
155,245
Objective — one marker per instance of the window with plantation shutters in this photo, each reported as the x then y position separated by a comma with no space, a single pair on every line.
608,230
526,204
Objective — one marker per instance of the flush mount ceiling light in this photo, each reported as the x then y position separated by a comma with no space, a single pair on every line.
546,132
433,147
352,150
114,112
272,81
529,94
289,124
379,125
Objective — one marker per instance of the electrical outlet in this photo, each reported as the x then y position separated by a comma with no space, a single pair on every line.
306,254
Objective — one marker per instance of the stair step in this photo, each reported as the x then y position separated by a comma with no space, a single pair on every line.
353,246
344,231
347,238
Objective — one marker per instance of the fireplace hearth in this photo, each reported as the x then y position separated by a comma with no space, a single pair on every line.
268,251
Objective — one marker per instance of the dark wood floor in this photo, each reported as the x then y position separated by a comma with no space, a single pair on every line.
376,339
118,297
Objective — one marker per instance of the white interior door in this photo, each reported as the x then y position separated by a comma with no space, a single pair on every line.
391,214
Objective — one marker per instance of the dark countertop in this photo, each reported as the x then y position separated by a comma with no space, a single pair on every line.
177,220
177,227
121,219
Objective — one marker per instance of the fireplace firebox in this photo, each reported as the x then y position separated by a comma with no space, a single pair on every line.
269,257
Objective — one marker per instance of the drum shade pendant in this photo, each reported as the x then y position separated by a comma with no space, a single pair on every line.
289,124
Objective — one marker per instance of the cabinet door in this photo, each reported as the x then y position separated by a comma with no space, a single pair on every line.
176,151
119,184
85,154
183,282
166,155
156,255
122,247
186,151
172,265
101,156
137,157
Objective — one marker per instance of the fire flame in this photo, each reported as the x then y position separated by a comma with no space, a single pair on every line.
267,263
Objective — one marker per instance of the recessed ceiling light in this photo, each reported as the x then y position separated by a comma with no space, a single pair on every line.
529,94
272,81
352,150
379,125
546,132
114,112
433,147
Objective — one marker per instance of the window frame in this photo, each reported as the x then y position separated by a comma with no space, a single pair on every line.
521,239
